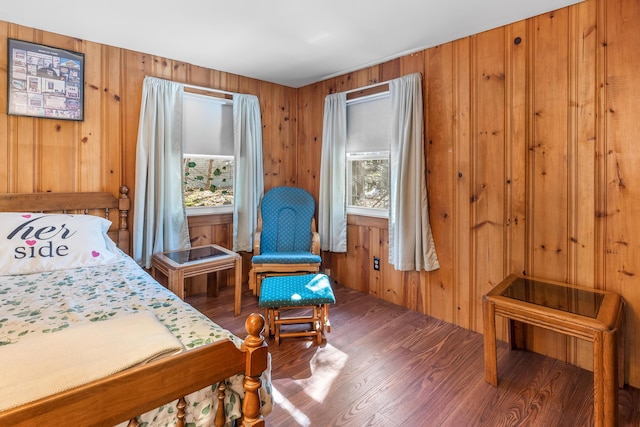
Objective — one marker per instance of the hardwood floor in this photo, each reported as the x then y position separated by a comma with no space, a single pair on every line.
383,365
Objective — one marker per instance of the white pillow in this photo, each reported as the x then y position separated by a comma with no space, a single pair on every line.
31,243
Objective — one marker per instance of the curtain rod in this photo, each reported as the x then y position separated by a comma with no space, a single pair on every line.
368,87
208,89
374,84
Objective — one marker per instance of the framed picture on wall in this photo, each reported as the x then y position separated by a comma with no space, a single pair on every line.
44,81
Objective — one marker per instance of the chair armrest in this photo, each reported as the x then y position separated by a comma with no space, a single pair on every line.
315,243
256,243
315,238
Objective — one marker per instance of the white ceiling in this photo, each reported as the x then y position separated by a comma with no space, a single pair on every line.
289,42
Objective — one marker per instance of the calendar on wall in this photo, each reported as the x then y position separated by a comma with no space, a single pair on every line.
44,81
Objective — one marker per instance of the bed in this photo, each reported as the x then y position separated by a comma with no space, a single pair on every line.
140,355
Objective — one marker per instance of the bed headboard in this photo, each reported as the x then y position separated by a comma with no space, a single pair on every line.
92,203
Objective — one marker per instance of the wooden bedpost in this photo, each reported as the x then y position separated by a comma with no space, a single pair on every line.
124,204
257,354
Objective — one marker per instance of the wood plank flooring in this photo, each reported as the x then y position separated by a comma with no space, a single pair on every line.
384,365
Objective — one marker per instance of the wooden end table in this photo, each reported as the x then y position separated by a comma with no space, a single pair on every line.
183,263
586,313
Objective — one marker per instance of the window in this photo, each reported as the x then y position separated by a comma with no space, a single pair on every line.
208,154
368,137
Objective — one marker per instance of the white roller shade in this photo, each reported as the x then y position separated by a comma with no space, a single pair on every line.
208,125
369,124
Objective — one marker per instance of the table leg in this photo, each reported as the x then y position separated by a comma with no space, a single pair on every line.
620,339
516,335
238,286
598,398
490,358
176,282
610,378
605,377
212,284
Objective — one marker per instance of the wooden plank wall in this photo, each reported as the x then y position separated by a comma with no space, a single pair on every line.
531,141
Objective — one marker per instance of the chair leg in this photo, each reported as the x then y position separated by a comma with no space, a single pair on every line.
252,280
319,324
257,283
267,323
325,316
276,316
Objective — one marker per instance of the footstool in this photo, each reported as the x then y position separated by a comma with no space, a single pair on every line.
309,292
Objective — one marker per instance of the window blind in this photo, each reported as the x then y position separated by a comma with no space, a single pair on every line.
369,124
207,125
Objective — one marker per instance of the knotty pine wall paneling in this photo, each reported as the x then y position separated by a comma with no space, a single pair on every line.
531,149
516,146
279,135
620,188
441,146
459,177
487,150
549,210
583,52
309,137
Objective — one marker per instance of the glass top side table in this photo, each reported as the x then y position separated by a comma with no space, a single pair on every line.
581,312
173,267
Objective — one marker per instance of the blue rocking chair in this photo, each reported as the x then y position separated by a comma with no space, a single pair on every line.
286,240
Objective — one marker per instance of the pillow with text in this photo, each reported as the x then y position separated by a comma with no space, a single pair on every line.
32,242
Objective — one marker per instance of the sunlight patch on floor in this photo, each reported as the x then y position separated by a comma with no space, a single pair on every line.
285,404
326,364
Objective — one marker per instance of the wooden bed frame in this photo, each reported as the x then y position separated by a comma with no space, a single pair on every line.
132,392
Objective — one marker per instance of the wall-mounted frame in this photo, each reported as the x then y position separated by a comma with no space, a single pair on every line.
44,81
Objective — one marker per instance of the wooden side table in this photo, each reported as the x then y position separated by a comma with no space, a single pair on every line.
180,264
581,312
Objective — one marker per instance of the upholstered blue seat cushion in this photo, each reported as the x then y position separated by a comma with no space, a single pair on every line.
286,258
294,291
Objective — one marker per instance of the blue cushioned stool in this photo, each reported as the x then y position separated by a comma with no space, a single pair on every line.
308,291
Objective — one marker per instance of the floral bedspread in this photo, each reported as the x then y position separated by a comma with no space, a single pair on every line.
44,303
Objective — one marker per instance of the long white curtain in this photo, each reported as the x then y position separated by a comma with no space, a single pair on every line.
332,214
159,218
411,245
248,179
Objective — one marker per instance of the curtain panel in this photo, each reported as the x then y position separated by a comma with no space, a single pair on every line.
248,180
159,217
411,245
332,212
